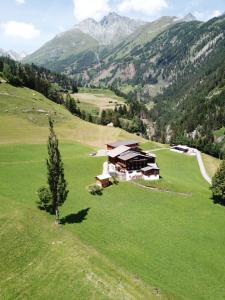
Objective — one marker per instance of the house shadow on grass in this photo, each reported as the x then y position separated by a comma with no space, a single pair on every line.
76,218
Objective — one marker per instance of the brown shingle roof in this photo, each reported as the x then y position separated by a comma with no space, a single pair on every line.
123,143
117,151
130,154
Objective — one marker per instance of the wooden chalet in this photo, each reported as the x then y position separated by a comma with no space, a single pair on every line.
129,158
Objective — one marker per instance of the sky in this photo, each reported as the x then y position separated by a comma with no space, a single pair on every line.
25,25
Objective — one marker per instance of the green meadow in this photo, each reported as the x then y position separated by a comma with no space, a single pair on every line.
166,241
130,243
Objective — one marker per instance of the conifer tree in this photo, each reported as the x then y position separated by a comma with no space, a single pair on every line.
56,181
218,184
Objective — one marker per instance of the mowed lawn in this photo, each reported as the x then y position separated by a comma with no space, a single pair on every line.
134,239
96,100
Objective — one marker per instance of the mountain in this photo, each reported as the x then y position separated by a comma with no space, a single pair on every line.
13,54
140,59
83,45
188,18
111,29
173,65
180,70
70,48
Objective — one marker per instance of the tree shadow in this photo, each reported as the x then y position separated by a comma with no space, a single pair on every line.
48,209
218,200
75,218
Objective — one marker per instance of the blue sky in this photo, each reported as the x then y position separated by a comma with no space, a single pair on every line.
26,24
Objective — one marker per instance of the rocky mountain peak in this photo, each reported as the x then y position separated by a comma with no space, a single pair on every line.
189,18
111,29
110,19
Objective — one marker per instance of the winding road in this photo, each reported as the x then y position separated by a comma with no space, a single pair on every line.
202,167
200,163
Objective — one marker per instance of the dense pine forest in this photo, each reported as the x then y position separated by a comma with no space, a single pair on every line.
51,85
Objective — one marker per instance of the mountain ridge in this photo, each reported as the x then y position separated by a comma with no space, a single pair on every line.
110,29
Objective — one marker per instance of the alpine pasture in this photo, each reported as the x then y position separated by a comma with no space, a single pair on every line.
129,243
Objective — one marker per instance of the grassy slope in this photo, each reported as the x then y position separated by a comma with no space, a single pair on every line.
129,240
21,123
211,164
95,100
40,260
165,240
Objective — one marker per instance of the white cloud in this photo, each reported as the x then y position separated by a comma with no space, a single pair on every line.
145,7
216,13
20,1
90,9
19,30
207,15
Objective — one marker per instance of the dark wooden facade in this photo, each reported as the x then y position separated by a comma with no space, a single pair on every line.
137,162
103,182
150,172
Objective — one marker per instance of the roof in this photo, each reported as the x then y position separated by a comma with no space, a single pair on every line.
123,143
117,151
181,147
150,167
129,155
150,154
103,176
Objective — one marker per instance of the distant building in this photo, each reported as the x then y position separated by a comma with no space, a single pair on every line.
110,125
183,149
180,148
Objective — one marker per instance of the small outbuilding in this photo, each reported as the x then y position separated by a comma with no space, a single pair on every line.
180,148
103,180
151,172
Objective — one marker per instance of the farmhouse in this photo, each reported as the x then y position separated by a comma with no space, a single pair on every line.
127,161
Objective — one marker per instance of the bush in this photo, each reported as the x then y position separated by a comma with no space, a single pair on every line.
95,189
115,180
44,198
218,185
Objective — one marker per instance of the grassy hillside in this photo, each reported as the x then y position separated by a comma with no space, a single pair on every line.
129,243
211,164
39,261
96,100
158,239
23,114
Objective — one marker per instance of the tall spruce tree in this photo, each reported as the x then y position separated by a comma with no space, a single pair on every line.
56,181
218,185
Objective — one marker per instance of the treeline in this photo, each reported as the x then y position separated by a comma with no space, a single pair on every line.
51,85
